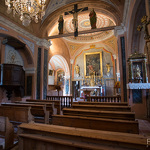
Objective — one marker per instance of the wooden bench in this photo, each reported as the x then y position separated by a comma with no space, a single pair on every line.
96,123
18,114
37,110
57,104
6,130
103,103
49,105
42,136
102,107
99,114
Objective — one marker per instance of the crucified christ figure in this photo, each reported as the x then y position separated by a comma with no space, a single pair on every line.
75,12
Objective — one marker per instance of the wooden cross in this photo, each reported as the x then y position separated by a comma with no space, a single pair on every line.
75,12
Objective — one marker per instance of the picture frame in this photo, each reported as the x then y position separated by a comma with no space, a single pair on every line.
93,63
50,72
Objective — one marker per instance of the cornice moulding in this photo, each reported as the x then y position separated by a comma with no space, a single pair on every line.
21,31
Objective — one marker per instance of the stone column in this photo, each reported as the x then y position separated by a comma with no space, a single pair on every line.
42,68
121,38
71,62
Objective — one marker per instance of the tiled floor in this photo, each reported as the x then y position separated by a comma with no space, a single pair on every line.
144,127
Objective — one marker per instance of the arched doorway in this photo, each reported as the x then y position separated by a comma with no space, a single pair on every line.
59,73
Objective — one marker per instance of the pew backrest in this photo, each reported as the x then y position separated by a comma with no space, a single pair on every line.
96,123
103,103
36,109
60,137
56,103
102,107
99,114
18,114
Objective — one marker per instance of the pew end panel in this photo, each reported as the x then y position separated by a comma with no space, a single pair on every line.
7,130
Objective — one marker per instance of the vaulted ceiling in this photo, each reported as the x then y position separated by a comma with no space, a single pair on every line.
112,8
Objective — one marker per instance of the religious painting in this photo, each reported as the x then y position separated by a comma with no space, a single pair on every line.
93,64
50,72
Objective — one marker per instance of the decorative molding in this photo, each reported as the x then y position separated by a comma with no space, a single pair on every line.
19,30
30,70
1,28
29,43
138,86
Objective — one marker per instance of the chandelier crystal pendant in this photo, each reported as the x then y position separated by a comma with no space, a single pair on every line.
27,9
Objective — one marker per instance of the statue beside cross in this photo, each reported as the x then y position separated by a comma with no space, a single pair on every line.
144,25
75,12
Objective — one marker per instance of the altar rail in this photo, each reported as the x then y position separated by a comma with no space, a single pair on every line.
65,101
104,98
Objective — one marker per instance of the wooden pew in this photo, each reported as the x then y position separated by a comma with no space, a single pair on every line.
42,136
103,103
102,107
49,105
96,123
99,114
37,110
57,104
18,114
6,130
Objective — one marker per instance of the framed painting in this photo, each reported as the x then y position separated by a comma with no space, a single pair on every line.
93,64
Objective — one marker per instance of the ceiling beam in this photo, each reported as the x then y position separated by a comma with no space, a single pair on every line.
81,32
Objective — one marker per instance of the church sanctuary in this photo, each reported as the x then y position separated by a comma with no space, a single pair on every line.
74,74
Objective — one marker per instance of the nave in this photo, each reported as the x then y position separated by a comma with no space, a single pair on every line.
83,125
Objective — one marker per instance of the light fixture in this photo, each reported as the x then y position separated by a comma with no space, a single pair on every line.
27,9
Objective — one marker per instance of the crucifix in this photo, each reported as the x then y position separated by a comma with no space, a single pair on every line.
75,12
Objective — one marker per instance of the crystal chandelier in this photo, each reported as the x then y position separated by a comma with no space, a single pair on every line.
27,9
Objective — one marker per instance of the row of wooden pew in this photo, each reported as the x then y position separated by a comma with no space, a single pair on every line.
12,114
87,125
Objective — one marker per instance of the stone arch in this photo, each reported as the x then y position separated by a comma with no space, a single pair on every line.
58,62
24,51
135,37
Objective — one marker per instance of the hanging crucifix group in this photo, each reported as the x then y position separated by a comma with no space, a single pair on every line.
75,12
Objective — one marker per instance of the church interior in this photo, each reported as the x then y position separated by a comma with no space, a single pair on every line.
74,74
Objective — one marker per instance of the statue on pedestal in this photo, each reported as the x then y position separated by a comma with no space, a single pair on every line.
93,19
77,69
60,24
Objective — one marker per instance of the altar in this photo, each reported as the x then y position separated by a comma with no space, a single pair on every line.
90,91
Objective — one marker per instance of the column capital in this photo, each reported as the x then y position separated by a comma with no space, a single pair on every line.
44,42
119,30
